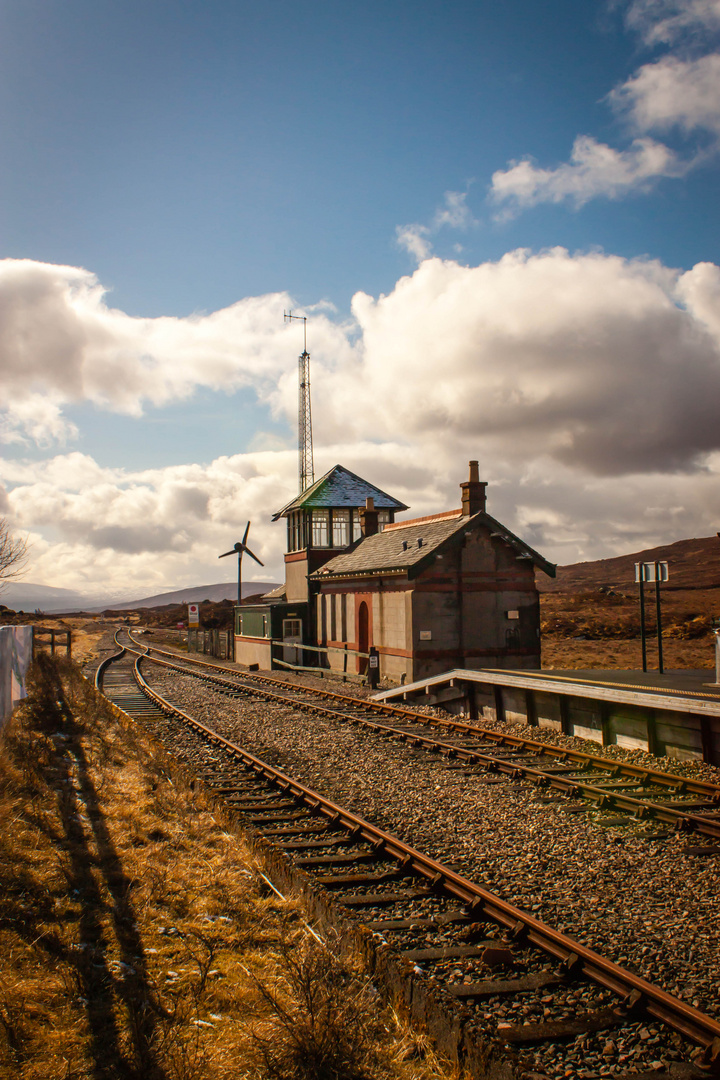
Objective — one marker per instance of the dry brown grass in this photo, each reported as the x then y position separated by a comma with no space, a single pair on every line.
137,940
596,630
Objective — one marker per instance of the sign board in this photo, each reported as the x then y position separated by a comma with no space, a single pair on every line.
374,660
646,571
426,635
193,614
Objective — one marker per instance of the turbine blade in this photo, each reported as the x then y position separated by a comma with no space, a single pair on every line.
254,556
247,530
233,552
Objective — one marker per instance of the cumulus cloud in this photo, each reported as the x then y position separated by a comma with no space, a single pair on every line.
61,343
594,169
608,364
675,92
585,384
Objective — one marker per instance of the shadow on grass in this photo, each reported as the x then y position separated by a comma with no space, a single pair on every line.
88,860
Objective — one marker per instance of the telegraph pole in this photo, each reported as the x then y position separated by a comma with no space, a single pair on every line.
306,470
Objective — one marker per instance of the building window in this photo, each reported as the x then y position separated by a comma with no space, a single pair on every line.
341,528
383,519
356,530
292,630
320,523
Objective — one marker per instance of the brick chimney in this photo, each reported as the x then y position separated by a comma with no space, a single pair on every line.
368,517
473,492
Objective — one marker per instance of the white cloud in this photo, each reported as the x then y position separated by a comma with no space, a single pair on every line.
594,169
586,385
665,22
414,240
454,214
592,360
673,92
61,343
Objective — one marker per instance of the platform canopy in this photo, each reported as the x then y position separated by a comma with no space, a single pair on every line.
340,488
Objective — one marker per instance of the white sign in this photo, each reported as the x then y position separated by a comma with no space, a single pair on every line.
193,614
426,635
647,570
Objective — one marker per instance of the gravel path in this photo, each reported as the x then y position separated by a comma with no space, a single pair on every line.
633,893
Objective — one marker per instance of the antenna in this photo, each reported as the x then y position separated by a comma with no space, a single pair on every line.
306,470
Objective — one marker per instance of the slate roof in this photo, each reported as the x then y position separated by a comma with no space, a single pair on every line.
278,593
384,552
342,488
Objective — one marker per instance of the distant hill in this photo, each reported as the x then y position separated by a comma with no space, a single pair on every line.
693,564
24,596
227,590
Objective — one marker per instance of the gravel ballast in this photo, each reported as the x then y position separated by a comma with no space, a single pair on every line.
634,893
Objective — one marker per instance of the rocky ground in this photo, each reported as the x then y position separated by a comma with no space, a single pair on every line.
635,893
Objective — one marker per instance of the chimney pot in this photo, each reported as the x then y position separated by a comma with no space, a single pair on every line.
368,517
473,492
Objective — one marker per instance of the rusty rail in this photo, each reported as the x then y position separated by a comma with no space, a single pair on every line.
636,992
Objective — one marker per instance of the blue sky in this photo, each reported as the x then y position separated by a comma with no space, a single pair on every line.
174,174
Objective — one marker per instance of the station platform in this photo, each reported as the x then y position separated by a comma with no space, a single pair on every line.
691,682
676,714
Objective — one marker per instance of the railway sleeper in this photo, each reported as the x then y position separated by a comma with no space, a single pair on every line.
551,1030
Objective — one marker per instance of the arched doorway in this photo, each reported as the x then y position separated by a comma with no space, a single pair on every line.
363,635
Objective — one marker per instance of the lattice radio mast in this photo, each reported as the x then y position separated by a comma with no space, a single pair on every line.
306,470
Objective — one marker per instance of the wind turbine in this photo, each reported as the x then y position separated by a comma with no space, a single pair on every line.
241,547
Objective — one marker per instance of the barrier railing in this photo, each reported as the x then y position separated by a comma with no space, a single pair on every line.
321,650
217,643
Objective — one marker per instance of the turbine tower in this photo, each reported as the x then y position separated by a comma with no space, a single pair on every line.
306,470
238,549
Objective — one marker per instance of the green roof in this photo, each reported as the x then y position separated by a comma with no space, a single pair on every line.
340,488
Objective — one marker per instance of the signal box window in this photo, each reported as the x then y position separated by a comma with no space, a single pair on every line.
341,528
320,528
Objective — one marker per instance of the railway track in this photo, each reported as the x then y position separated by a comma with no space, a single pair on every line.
522,983
688,805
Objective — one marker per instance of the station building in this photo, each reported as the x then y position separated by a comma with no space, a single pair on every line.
451,590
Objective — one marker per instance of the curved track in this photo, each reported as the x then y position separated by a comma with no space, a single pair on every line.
434,915
689,805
